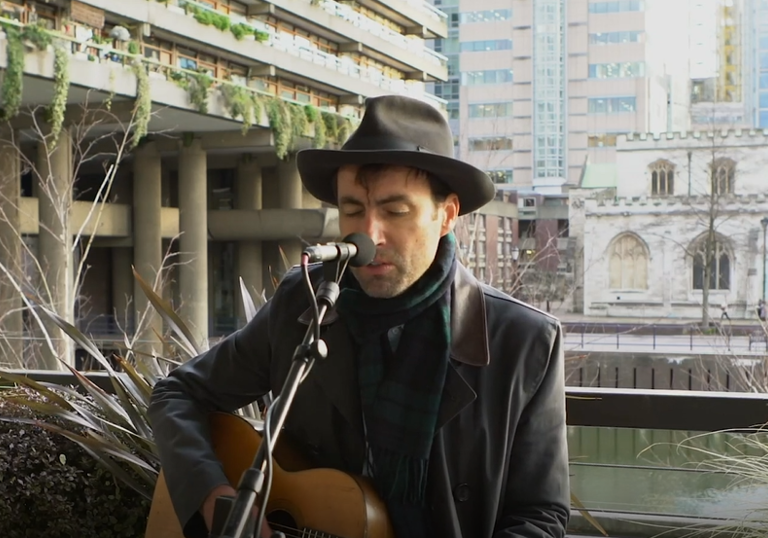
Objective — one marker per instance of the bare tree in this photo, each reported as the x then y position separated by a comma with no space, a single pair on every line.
95,136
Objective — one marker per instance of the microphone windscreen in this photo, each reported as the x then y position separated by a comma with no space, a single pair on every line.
366,250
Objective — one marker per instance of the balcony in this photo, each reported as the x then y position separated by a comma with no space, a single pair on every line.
283,54
406,53
418,16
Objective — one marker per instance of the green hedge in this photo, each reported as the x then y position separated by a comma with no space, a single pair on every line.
51,487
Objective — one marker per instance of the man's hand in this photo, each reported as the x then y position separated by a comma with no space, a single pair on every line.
227,491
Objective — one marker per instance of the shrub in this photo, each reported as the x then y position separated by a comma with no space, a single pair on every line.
50,486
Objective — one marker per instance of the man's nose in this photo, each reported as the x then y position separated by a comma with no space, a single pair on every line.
373,228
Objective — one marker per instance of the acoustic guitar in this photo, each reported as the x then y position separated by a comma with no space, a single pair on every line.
303,501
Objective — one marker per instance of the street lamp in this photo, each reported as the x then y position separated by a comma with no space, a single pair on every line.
764,222
516,251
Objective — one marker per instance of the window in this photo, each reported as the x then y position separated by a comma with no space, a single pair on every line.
617,70
447,90
616,6
486,46
601,140
662,178
490,143
487,15
496,76
490,110
612,38
500,176
611,105
723,175
719,265
453,110
628,263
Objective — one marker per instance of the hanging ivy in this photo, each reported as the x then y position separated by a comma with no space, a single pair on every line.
299,123
331,125
280,122
243,103
14,73
37,35
344,129
314,117
58,105
199,86
143,105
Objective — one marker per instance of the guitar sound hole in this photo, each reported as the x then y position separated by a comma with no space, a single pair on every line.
280,520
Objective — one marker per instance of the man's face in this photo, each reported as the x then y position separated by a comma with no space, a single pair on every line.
396,209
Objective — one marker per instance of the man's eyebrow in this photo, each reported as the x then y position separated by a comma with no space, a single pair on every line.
382,201
350,200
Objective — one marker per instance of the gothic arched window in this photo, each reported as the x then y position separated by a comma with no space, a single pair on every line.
719,265
662,178
628,263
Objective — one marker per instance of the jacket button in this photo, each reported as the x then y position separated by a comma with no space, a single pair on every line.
461,493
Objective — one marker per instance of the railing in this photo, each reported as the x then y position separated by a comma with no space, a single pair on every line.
428,8
303,48
628,464
704,344
413,45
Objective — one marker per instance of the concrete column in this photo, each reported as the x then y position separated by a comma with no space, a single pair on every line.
122,287
11,321
249,258
308,201
272,266
54,171
193,243
147,243
290,197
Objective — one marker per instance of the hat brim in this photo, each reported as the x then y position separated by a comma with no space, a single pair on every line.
318,167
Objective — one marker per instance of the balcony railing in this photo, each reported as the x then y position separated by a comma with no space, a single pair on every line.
414,46
303,48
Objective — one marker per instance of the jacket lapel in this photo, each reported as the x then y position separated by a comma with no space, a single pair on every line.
469,343
337,374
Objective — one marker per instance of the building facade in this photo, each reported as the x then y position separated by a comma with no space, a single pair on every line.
219,95
548,85
687,218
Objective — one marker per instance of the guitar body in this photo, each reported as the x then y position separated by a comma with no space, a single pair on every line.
302,501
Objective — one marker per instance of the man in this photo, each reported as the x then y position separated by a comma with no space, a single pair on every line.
448,393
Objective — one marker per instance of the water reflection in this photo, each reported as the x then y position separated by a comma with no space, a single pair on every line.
666,472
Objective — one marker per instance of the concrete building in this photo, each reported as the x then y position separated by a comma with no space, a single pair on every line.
681,202
225,91
547,85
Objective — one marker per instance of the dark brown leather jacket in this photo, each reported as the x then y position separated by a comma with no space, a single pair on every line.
499,463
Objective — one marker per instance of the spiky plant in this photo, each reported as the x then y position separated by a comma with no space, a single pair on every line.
112,426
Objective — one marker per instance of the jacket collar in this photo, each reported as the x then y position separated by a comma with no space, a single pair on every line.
469,321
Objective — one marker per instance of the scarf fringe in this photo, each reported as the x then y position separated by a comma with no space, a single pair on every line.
398,476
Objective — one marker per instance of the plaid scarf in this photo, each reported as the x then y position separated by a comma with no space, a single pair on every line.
401,391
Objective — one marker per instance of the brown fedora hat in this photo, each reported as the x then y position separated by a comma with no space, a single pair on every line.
401,131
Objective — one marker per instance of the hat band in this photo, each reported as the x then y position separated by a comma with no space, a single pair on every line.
381,143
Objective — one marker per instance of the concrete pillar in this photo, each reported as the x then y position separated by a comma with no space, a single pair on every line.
193,243
272,266
290,197
11,321
122,287
308,201
147,243
249,258
54,171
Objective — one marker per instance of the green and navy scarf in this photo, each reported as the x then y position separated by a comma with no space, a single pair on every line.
401,391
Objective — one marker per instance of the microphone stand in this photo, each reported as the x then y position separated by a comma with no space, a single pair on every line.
311,349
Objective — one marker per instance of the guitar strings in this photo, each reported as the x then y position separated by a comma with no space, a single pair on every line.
293,532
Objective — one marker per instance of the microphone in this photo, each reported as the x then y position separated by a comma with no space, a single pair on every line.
357,248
